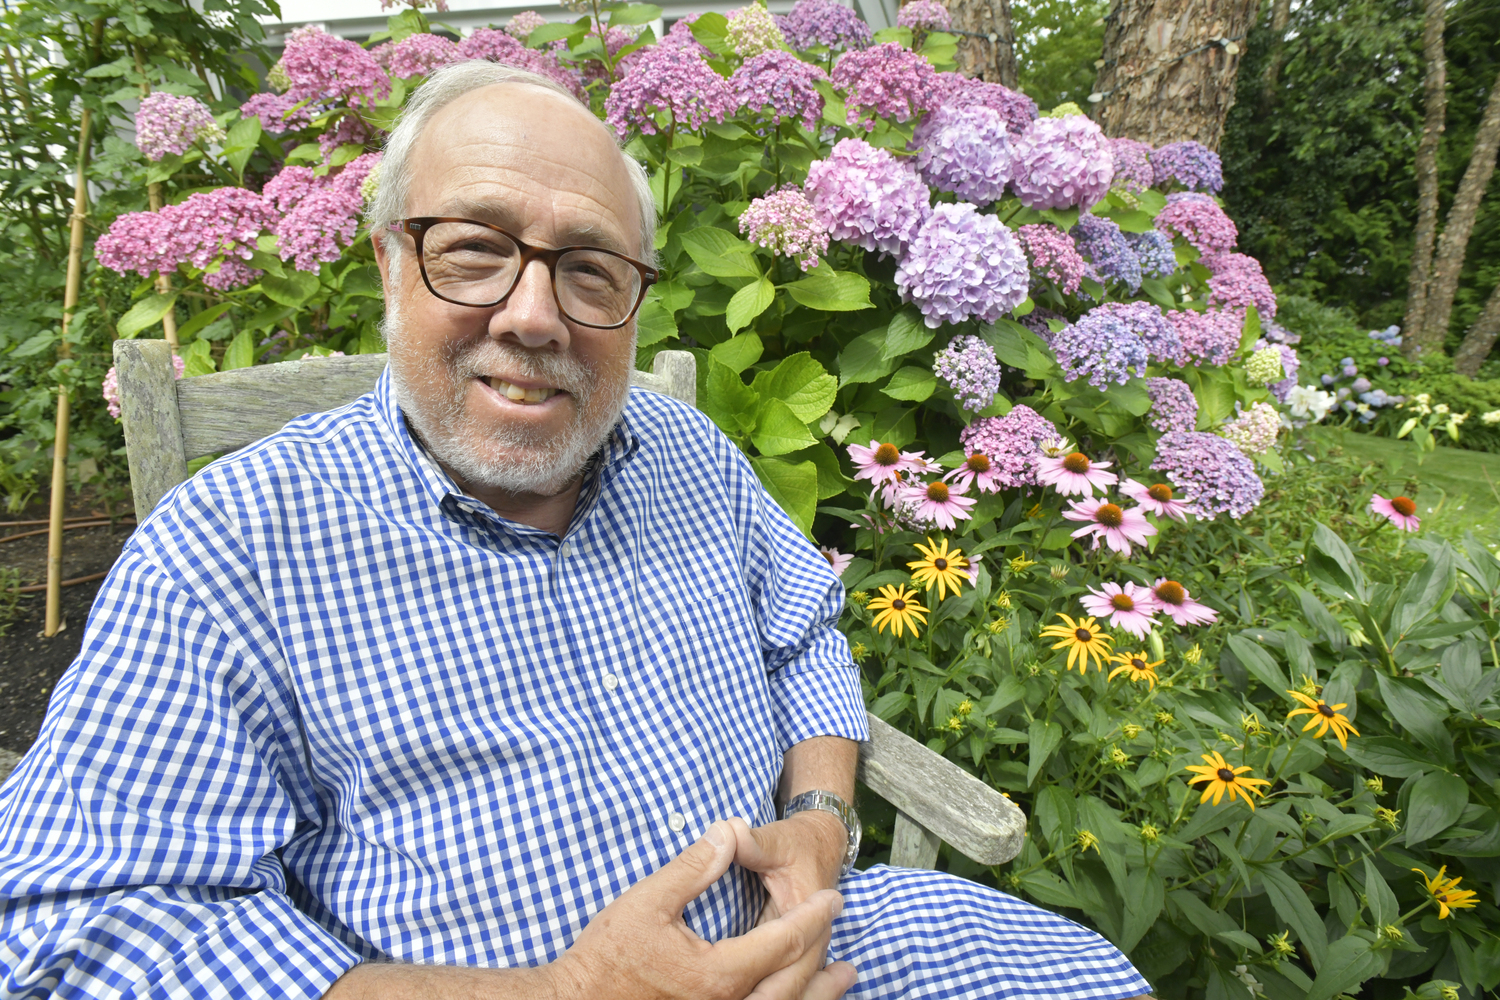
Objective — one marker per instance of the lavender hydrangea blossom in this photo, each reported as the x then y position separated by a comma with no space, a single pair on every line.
667,80
969,367
954,90
865,196
167,124
419,55
1053,256
826,23
1198,219
1062,162
500,47
885,80
1102,347
1012,443
965,151
1146,320
924,15
962,265
779,86
1291,364
1209,337
784,223
1210,472
1132,159
1173,405
1101,243
1191,164
1154,252
1237,280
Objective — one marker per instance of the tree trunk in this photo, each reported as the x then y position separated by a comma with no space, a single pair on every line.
1169,68
987,42
1281,16
1480,339
1442,284
1435,90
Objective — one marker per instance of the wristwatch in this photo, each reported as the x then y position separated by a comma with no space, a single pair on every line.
829,802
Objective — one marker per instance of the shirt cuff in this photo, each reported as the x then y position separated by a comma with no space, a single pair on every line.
810,700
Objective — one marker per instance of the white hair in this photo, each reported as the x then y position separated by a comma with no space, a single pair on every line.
442,88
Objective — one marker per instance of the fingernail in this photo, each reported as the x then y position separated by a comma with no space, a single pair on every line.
838,904
715,836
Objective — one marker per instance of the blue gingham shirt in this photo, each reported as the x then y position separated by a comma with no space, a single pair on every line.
330,708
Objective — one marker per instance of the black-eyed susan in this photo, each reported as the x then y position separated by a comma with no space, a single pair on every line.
1084,641
940,567
1136,667
898,608
1324,716
1225,780
1446,893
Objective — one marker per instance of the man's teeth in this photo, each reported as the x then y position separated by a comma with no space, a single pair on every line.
519,395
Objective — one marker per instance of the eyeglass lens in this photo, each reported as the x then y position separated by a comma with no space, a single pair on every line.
472,265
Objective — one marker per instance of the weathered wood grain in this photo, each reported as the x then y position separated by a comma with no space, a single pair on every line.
941,796
153,429
912,844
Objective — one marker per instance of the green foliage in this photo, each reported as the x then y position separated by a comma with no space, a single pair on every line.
1057,43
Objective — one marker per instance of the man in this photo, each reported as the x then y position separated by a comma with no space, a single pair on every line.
478,686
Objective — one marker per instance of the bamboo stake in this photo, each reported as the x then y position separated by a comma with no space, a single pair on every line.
54,623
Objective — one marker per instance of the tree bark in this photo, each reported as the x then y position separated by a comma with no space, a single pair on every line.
1281,16
977,22
1169,68
1435,92
1480,339
1442,284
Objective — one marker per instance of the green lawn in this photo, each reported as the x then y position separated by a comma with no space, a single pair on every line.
1461,487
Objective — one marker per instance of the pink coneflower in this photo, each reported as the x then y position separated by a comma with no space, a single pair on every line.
936,503
1157,499
836,559
1074,473
1174,601
1400,511
1115,525
879,463
973,570
979,470
1130,607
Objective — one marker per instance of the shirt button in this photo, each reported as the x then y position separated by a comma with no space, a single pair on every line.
611,682
564,548
676,821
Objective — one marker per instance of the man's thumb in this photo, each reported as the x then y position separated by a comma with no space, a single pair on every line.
688,875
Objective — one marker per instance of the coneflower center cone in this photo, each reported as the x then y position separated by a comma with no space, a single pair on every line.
1077,463
887,454
1122,602
937,492
1161,492
940,564
898,605
1138,663
1109,515
1325,710
978,463
1404,505
1225,774
1171,591
1083,635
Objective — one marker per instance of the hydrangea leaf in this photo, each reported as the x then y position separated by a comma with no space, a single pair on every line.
911,383
654,323
748,303
905,334
728,401
739,352
831,291
145,314
778,431
240,353
197,359
293,289
801,383
794,486
635,13
719,253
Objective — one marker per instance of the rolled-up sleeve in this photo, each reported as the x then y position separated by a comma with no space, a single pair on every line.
139,837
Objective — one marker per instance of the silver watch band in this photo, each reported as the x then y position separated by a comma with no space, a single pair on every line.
829,802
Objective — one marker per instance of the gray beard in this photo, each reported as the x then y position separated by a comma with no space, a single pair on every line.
513,459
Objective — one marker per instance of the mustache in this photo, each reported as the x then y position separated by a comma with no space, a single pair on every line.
557,370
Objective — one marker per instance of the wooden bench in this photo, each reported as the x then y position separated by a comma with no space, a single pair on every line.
169,422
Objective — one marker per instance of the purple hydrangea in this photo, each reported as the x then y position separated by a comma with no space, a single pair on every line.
667,80
322,67
866,196
1191,164
500,47
1210,337
1038,322
521,25
827,23
1053,256
209,225
278,113
924,15
962,265
1132,159
1237,280
289,186
1210,472
954,90
680,36
168,124
778,85
965,151
1101,243
350,129
1062,162
1154,252
752,31
1155,330
1198,219
1012,443
884,80
1102,346
419,55
1173,405
784,223
311,233
969,367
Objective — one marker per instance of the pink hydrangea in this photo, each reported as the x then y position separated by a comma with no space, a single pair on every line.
231,273
420,54
824,22
680,36
224,222
1210,337
867,197
1061,163
965,151
1173,405
969,367
310,234
523,24
142,242
1053,256
350,129
168,124
278,112
1132,159
1237,280
784,223
924,15
667,80
753,31
289,186
322,67
1198,219
885,80
499,47
778,85
1012,444
954,90
962,265
1211,473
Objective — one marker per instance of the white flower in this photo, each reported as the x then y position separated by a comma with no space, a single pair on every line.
1492,417
1242,973
1306,402
1440,408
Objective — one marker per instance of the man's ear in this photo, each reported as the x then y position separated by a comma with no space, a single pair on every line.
382,261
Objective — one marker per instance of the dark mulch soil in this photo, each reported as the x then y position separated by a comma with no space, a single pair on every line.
29,664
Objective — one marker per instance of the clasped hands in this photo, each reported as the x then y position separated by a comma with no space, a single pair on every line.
639,947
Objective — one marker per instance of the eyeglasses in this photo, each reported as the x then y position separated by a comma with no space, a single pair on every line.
476,264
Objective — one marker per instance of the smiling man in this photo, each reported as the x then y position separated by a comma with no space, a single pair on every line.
502,681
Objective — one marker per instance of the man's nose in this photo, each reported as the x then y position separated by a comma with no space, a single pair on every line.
530,314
